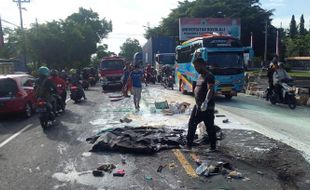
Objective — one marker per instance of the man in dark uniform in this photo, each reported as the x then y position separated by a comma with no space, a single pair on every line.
204,108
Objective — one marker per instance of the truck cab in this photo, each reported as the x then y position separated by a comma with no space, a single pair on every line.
111,71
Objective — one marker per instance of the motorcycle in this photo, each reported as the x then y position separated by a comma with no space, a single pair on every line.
167,79
92,81
75,93
85,84
287,95
150,77
61,98
47,116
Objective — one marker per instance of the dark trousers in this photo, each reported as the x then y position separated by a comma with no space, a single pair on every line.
198,116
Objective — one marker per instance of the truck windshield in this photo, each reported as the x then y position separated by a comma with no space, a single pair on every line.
112,65
166,59
225,60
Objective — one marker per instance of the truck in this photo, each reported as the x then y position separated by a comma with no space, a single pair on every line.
111,71
157,45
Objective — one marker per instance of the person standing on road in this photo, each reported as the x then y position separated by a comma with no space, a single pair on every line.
204,108
136,77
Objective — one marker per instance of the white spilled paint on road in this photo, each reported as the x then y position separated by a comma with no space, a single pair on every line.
86,154
15,135
61,148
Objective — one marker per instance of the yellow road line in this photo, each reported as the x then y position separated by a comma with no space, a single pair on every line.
186,165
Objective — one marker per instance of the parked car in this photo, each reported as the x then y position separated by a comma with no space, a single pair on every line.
17,94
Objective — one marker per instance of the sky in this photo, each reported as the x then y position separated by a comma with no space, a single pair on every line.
130,17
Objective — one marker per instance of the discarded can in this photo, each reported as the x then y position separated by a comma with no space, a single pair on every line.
148,178
123,159
202,169
225,121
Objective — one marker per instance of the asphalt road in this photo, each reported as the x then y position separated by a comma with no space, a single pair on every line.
275,121
58,158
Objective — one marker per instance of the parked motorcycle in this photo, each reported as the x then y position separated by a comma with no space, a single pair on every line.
75,93
47,116
286,95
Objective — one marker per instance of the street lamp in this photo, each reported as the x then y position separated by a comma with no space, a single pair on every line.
19,5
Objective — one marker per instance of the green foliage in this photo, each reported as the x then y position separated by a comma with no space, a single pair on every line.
102,51
302,30
253,19
298,46
62,44
129,48
293,28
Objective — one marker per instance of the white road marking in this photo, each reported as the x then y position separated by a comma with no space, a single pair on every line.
67,100
15,135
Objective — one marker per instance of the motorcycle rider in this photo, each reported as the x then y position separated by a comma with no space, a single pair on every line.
45,88
272,68
75,80
279,75
60,84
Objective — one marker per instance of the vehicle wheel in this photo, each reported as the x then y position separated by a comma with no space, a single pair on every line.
182,88
273,100
172,88
292,103
28,110
44,123
228,96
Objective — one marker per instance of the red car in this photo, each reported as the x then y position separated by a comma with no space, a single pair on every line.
17,94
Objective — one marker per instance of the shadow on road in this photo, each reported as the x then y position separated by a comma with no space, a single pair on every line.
60,132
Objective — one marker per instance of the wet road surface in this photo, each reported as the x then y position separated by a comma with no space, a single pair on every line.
59,159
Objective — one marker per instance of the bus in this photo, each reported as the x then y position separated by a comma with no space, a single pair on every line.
224,56
163,59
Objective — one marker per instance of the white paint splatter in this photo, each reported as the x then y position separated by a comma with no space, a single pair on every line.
261,149
86,154
61,148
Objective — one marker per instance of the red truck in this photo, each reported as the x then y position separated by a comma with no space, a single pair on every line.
111,71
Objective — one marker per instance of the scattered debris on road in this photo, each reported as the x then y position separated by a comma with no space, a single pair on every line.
225,121
149,178
107,167
125,120
119,173
137,140
98,173
160,168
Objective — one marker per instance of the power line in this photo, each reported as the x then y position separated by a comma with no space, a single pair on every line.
8,22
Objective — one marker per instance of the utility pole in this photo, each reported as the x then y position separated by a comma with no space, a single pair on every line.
266,37
19,5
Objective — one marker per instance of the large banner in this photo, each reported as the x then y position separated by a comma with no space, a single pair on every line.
194,27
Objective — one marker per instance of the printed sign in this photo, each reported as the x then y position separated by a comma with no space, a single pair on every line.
195,27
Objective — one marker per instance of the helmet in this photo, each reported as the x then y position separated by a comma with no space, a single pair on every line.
54,73
44,71
281,65
72,71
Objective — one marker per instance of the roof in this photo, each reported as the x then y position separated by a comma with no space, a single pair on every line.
13,75
206,36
